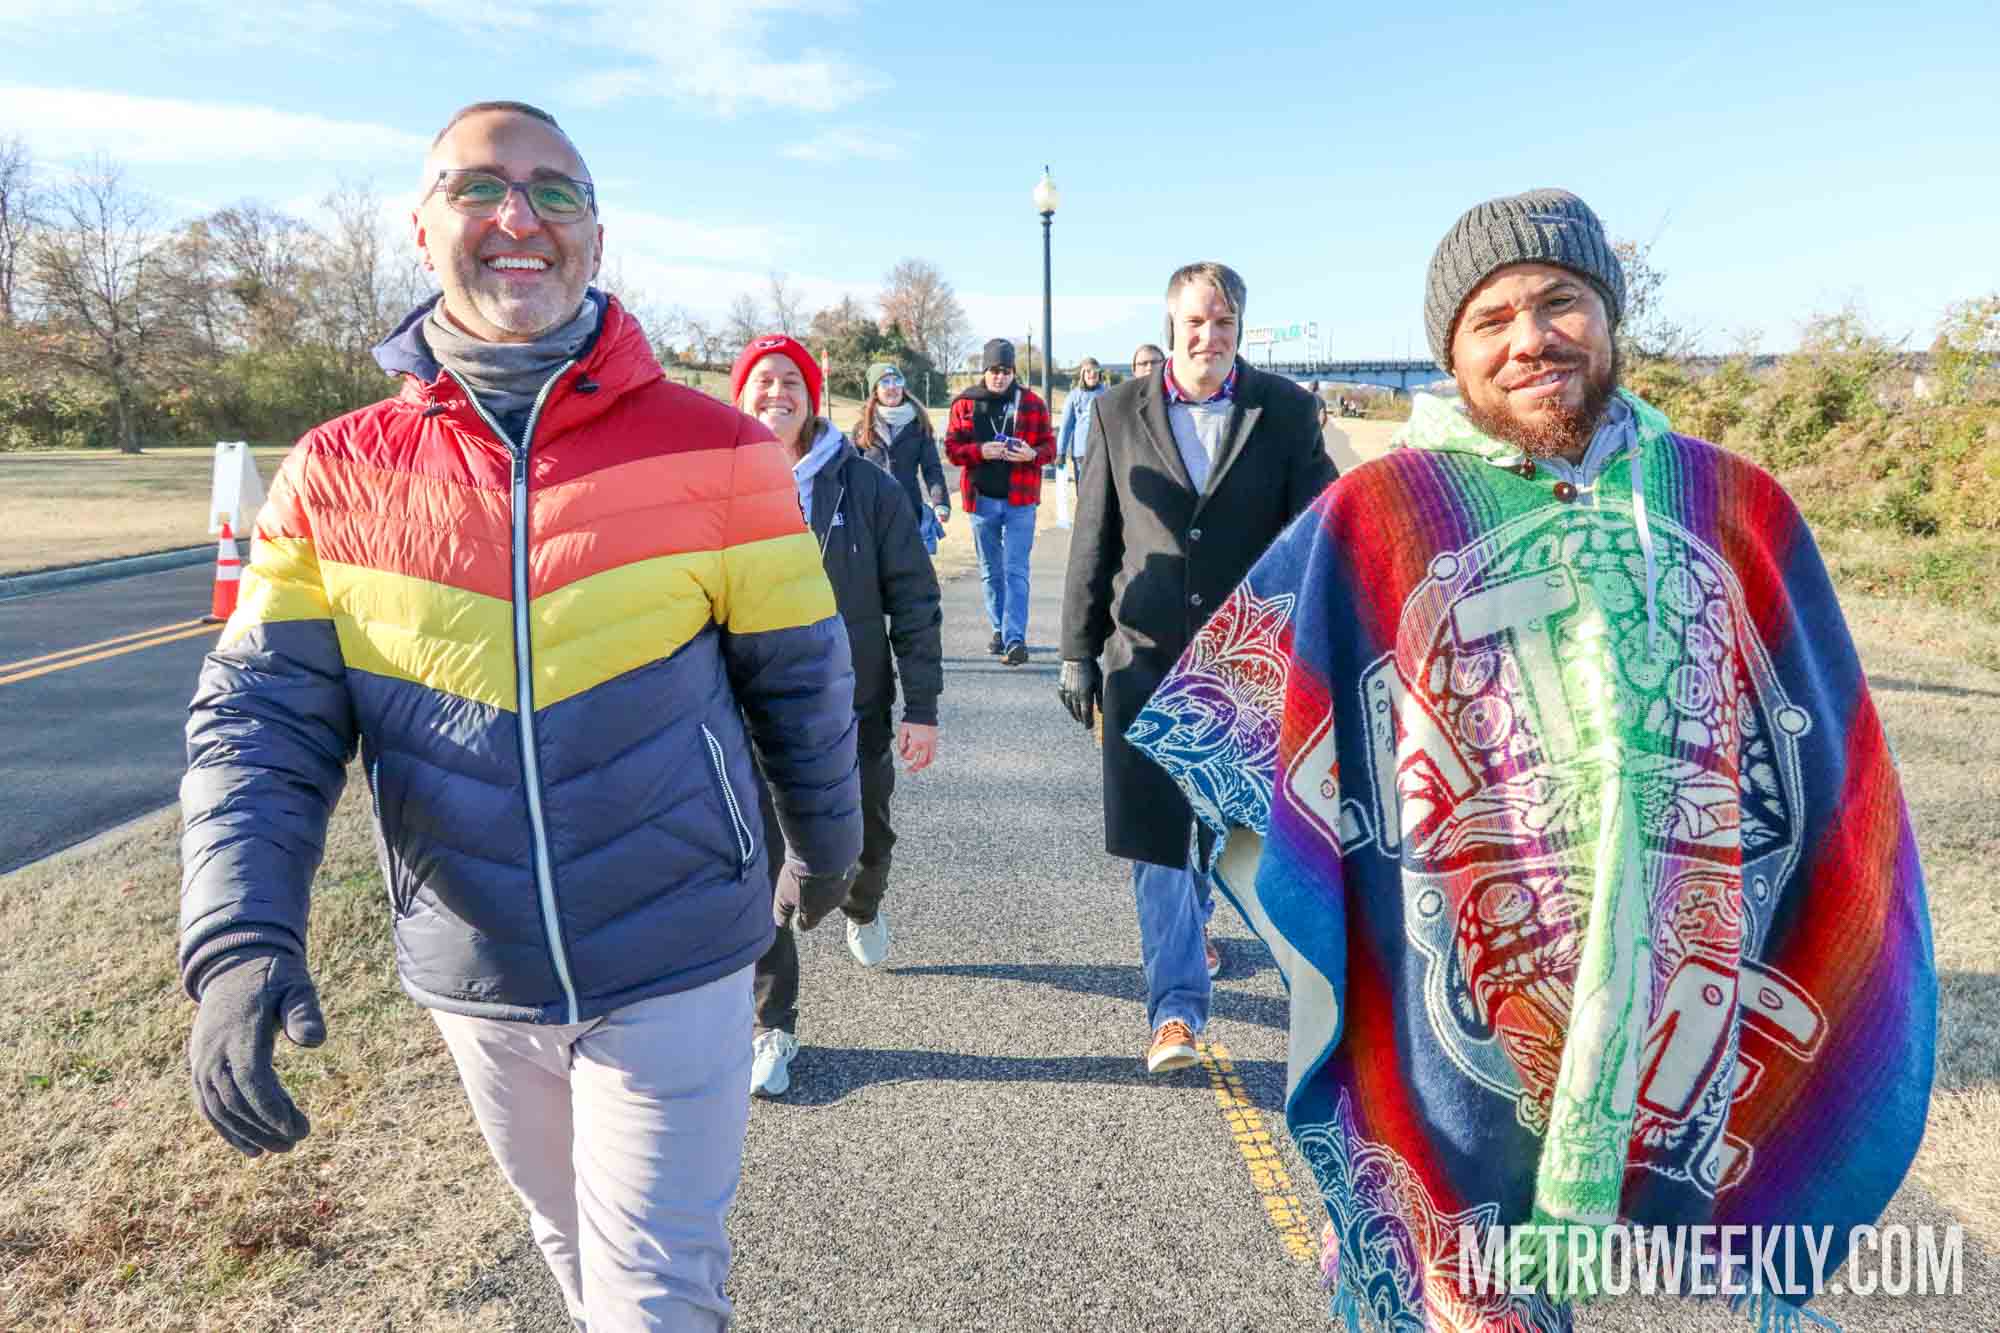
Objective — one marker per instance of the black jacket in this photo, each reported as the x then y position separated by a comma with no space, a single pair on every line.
912,450
879,570
1150,559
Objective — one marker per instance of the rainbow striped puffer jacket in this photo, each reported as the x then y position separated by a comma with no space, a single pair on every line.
547,656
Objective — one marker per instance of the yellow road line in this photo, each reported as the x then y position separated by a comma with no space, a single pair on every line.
1251,1132
110,652
6,667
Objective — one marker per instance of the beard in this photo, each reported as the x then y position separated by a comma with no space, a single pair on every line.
1560,430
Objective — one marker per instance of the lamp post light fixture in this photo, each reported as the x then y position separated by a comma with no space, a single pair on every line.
1046,199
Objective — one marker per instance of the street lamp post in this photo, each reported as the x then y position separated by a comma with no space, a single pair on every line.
1046,199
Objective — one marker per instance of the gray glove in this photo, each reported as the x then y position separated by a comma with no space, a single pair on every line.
806,896
1081,688
245,997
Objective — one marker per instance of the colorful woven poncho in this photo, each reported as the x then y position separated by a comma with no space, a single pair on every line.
1583,853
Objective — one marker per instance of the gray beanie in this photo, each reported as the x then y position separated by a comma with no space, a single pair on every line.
1539,227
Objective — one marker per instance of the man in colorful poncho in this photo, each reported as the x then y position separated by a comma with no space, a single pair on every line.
1577,837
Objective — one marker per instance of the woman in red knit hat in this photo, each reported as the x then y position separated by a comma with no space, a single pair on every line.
888,598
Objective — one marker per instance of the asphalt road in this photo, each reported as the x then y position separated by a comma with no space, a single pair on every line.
92,705
971,1140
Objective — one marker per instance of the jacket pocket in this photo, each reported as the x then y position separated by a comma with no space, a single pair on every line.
746,848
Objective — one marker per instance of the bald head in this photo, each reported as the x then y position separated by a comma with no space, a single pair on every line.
444,155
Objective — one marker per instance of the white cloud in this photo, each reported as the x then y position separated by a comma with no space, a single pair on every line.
662,238
724,55
847,145
721,56
77,121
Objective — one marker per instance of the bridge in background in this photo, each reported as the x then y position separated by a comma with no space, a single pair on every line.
1402,376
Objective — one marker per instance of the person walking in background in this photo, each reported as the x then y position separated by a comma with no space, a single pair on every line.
1194,472
894,433
1073,440
1146,359
1582,848
542,589
999,438
887,594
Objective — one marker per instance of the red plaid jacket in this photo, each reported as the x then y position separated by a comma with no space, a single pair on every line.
971,425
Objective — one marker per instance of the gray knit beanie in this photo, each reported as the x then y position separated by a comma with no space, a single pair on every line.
1539,227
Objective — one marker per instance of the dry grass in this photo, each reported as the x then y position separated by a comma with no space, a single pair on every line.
119,1208
75,505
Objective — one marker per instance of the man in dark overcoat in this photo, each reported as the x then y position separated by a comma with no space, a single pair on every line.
1197,470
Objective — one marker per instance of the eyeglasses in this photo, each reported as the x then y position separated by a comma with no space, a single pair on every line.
481,194
1145,367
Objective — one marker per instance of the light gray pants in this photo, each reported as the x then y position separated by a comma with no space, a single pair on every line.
624,1137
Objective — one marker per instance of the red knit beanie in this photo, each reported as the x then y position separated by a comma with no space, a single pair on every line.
760,348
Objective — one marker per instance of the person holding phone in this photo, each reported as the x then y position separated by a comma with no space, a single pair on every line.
1000,437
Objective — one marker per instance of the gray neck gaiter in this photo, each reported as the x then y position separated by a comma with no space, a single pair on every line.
506,377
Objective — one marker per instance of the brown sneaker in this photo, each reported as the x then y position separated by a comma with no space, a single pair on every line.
1211,955
1173,1048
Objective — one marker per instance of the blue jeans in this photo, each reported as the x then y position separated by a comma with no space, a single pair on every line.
1174,907
1005,536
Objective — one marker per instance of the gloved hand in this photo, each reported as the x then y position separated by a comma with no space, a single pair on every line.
1081,688
808,897
245,997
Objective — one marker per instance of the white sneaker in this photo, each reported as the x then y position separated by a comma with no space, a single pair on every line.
870,943
771,1062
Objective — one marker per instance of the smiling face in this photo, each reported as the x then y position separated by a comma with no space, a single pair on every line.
1205,336
1533,357
511,277
775,393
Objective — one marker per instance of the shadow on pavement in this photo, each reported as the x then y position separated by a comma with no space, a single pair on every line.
825,1075
1243,959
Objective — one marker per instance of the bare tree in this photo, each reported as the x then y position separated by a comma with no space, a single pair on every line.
264,258
917,299
364,280
1645,332
95,275
837,320
744,321
17,216
703,338
787,305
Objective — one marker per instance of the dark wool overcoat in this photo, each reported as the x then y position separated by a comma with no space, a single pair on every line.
1150,559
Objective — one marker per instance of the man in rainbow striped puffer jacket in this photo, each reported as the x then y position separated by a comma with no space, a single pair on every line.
552,598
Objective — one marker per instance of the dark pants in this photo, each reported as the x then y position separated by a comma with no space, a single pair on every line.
776,986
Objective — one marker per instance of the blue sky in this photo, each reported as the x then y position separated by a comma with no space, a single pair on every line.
1782,159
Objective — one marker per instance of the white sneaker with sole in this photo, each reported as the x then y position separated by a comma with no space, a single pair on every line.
771,1062
870,943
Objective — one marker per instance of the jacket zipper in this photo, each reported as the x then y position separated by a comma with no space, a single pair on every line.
524,684
745,848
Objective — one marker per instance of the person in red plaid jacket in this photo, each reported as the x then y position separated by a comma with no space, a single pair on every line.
1000,438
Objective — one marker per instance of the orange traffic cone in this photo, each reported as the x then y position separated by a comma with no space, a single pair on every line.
228,574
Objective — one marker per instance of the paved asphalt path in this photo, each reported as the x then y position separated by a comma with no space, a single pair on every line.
91,744
971,1140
